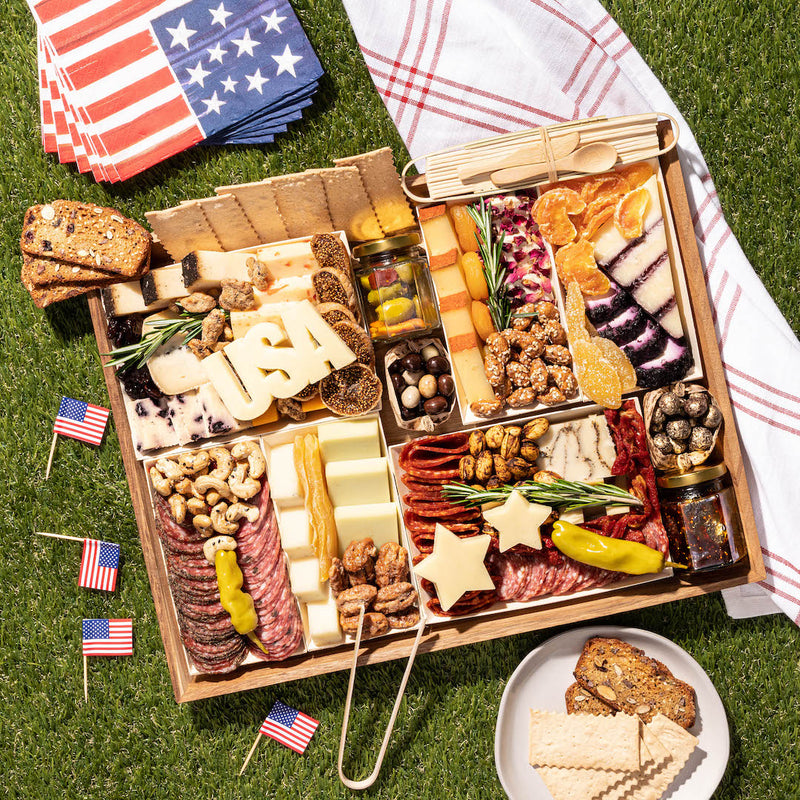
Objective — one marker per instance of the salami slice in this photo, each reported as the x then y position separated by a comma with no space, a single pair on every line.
512,572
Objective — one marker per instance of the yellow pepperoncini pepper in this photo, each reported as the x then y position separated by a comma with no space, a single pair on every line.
237,603
618,555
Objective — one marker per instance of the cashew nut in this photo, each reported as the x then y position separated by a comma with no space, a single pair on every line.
195,506
224,460
192,463
255,457
202,523
243,486
177,505
221,525
215,543
161,483
239,510
212,498
184,487
169,468
206,482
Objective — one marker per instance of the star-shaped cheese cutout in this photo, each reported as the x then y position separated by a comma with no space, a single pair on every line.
518,521
256,81
181,34
456,565
219,15
286,61
246,44
229,84
214,104
273,22
216,52
198,74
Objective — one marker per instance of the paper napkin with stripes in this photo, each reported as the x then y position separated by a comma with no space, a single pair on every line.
452,72
126,85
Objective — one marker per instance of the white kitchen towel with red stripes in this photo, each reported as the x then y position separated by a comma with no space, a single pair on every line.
453,71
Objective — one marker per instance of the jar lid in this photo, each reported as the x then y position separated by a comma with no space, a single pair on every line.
701,474
384,245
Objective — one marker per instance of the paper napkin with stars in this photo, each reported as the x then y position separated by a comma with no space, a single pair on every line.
126,85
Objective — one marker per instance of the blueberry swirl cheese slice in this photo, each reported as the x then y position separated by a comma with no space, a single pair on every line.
642,265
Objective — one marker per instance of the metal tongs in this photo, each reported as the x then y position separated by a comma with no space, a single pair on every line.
373,776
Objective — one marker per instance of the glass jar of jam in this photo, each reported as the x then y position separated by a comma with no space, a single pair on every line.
395,287
702,518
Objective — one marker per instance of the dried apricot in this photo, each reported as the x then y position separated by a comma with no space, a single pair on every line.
575,312
597,377
575,262
474,277
630,211
466,229
636,174
482,320
620,362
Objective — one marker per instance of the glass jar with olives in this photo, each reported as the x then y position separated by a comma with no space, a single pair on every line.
423,389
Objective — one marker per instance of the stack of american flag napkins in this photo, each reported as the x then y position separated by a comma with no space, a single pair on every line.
125,84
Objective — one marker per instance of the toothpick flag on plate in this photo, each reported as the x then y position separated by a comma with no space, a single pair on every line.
126,85
286,725
78,420
105,637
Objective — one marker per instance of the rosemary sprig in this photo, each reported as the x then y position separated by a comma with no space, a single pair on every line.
493,269
189,324
566,495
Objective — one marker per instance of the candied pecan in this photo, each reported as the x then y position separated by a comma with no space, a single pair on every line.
213,326
359,560
557,354
555,333
350,600
538,373
552,396
337,577
198,302
497,345
374,624
392,564
200,348
564,379
259,274
406,619
289,407
395,597
518,374
522,397
236,295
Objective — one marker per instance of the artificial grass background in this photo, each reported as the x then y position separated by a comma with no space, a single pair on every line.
732,70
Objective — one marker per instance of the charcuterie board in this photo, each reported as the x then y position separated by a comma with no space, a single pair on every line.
189,684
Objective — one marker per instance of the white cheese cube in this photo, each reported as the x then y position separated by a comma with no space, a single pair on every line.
342,441
205,269
323,623
376,520
163,285
304,577
296,533
362,480
151,424
127,298
283,483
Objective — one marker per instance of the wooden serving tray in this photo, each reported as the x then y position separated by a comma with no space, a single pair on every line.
458,632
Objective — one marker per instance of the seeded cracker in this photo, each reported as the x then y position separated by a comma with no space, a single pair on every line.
261,208
229,222
559,740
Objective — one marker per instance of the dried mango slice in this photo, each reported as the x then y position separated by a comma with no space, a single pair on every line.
620,362
597,377
466,230
474,277
630,211
575,262
575,312
636,174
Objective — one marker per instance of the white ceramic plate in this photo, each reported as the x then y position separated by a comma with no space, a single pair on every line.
544,675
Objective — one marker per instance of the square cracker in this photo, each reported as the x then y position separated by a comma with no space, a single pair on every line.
261,209
303,204
583,740
182,229
229,222
383,187
348,203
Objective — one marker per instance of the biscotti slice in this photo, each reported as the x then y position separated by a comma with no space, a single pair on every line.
579,701
43,296
46,271
86,235
630,681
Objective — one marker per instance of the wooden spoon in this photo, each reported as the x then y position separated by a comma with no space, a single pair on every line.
589,160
